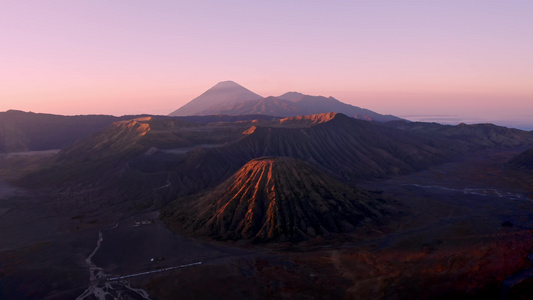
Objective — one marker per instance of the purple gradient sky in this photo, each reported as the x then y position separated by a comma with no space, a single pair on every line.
472,60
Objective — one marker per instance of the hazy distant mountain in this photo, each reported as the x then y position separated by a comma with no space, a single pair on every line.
225,92
296,104
318,104
475,136
27,131
229,98
267,106
275,199
291,96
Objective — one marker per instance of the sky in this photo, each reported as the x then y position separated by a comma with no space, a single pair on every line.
447,61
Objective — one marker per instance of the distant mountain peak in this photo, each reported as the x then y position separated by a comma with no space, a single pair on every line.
291,96
227,83
223,93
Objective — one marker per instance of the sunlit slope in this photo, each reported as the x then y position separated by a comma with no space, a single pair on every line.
276,199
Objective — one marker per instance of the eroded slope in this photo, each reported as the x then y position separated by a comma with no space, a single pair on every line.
276,199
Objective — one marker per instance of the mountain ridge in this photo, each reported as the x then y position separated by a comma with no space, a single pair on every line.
240,102
230,91
29,131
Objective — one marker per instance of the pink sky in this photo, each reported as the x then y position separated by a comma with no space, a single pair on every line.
461,58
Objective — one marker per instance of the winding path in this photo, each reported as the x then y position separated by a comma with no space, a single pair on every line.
98,287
